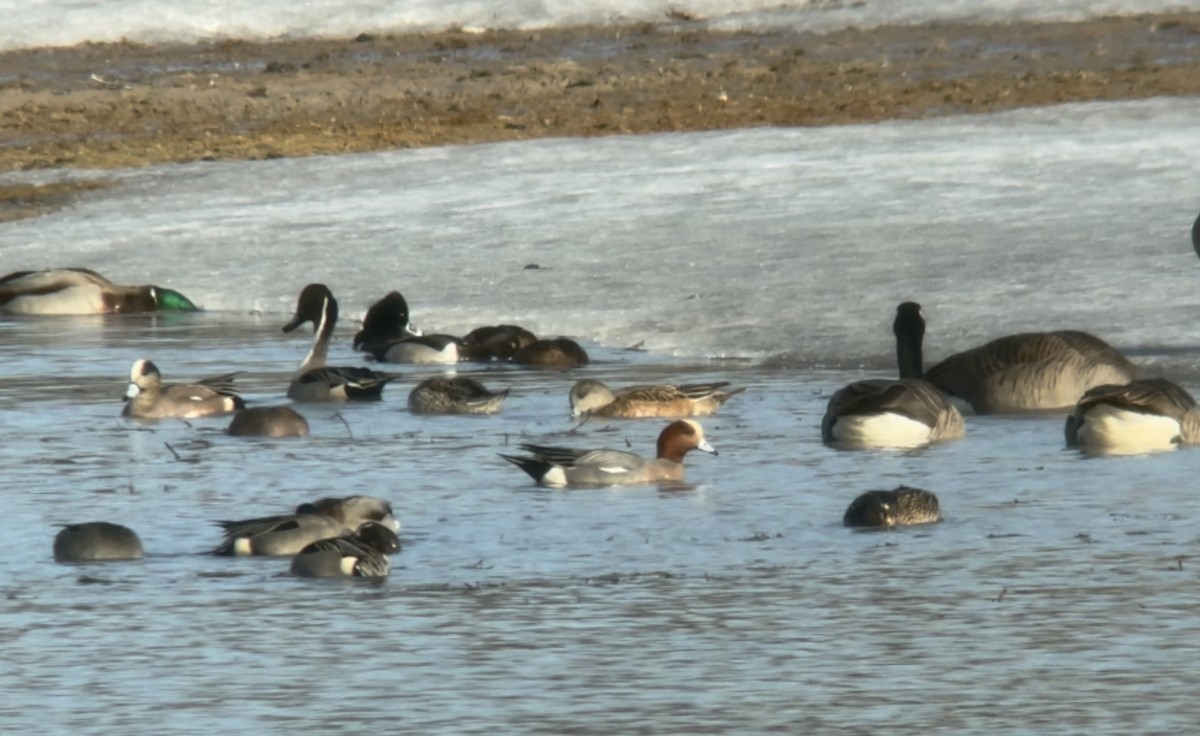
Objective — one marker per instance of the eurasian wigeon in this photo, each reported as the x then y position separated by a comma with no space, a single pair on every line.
564,466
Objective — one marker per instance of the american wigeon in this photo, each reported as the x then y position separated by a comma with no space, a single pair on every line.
1141,416
594,398
495,342
385,322
564,466
360,554
287,534
63,291
887,509
149,398
268,421
96,540
1032,371
561,353
316,381
423,349
906,413
454,395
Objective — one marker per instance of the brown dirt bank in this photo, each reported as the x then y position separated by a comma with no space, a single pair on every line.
117,105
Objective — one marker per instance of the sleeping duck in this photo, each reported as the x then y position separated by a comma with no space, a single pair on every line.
82,291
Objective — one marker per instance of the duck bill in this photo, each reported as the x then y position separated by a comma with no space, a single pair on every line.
705,447
293,324
132,391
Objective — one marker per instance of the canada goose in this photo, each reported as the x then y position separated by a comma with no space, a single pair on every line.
316,381
904,413
1141,416
149,398
565,466
360,554
83,291
455,395
594,398
888,509
96,540
1031,371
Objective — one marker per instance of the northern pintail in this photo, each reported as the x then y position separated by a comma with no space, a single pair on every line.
287,534
316,381
360,554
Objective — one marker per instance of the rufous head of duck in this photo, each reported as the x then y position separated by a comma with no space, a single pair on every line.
681,437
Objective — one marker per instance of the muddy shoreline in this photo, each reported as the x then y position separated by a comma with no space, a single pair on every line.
123,105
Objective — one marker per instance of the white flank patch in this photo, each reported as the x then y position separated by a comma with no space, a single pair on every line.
242,548
348,564
880,430
555,476
1120,432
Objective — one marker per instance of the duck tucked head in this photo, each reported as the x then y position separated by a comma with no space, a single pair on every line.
168,300
681,437
317,305
378,537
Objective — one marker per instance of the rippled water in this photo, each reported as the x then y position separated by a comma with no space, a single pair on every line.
1059,594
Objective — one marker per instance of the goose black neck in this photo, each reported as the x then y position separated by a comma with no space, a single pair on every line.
909,329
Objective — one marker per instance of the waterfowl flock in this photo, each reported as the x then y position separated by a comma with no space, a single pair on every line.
1111,408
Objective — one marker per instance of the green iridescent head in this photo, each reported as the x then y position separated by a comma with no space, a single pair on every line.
169,300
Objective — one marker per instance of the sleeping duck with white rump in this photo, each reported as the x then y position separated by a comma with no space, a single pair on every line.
559,467
315,380
75,291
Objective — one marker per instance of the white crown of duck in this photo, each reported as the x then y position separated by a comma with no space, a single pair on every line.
81,291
